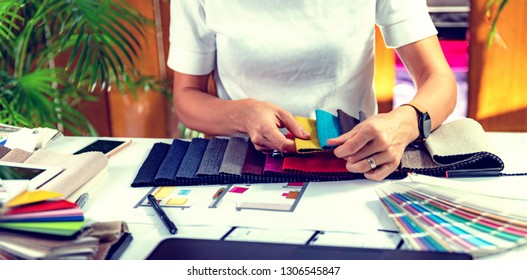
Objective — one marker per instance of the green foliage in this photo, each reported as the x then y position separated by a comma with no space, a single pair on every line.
493,26
94,41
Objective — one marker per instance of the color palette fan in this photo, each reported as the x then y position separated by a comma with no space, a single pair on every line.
440,217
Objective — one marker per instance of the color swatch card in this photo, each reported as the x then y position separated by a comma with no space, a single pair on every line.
435,216
42,212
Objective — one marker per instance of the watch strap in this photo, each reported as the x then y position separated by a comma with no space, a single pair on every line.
416,106
420,112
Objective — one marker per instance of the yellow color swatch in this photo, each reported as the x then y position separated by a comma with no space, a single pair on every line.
163,192
312,144
177,201
32,197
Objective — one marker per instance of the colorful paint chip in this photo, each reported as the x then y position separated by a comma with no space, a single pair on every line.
238,189
292,195
183,192
163,192
177,201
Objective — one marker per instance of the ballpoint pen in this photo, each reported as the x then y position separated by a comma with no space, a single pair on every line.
162,215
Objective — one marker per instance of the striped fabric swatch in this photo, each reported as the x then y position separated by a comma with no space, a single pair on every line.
327,128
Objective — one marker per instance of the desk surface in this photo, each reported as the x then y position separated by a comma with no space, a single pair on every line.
112,198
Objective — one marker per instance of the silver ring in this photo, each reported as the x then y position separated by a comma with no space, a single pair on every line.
372,163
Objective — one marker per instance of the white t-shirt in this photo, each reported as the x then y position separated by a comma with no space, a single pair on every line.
300,55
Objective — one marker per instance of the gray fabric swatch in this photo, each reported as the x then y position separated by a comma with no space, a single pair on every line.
417,159
191,162
170,165
346,122
148,170
234,157
213,157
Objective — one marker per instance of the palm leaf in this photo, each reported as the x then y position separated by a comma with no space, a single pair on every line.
101,40
494,24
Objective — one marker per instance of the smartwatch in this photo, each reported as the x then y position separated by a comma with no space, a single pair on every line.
424,123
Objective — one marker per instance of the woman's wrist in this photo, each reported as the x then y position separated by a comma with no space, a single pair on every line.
237,115
408,119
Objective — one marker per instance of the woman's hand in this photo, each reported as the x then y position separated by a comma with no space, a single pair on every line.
375,147
263,121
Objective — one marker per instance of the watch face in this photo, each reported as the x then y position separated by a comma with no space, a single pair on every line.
426,125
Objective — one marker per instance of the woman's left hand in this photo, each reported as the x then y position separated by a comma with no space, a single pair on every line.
375,147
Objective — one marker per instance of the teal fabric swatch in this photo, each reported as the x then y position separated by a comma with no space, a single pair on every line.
327,127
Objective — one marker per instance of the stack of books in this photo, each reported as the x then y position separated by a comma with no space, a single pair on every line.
442,215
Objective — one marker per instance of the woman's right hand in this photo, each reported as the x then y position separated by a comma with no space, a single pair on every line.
263,121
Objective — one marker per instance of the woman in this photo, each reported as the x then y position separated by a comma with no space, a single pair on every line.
272,60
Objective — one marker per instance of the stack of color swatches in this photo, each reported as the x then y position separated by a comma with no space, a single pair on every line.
440,218
229,160
232,160
323,128
42,212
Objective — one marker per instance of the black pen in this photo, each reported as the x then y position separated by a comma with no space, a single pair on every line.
162,215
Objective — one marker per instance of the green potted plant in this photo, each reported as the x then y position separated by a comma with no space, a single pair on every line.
57,53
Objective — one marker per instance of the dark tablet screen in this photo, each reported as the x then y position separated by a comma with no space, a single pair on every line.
103,146
19,173
198,249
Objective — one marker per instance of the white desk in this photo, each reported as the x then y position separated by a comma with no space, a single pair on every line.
112,197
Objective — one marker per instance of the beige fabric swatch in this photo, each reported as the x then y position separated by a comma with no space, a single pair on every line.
16,155
459,137
417,159
78,169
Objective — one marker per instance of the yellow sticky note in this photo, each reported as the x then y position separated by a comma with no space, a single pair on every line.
163,192
312,144
32,197
177,201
